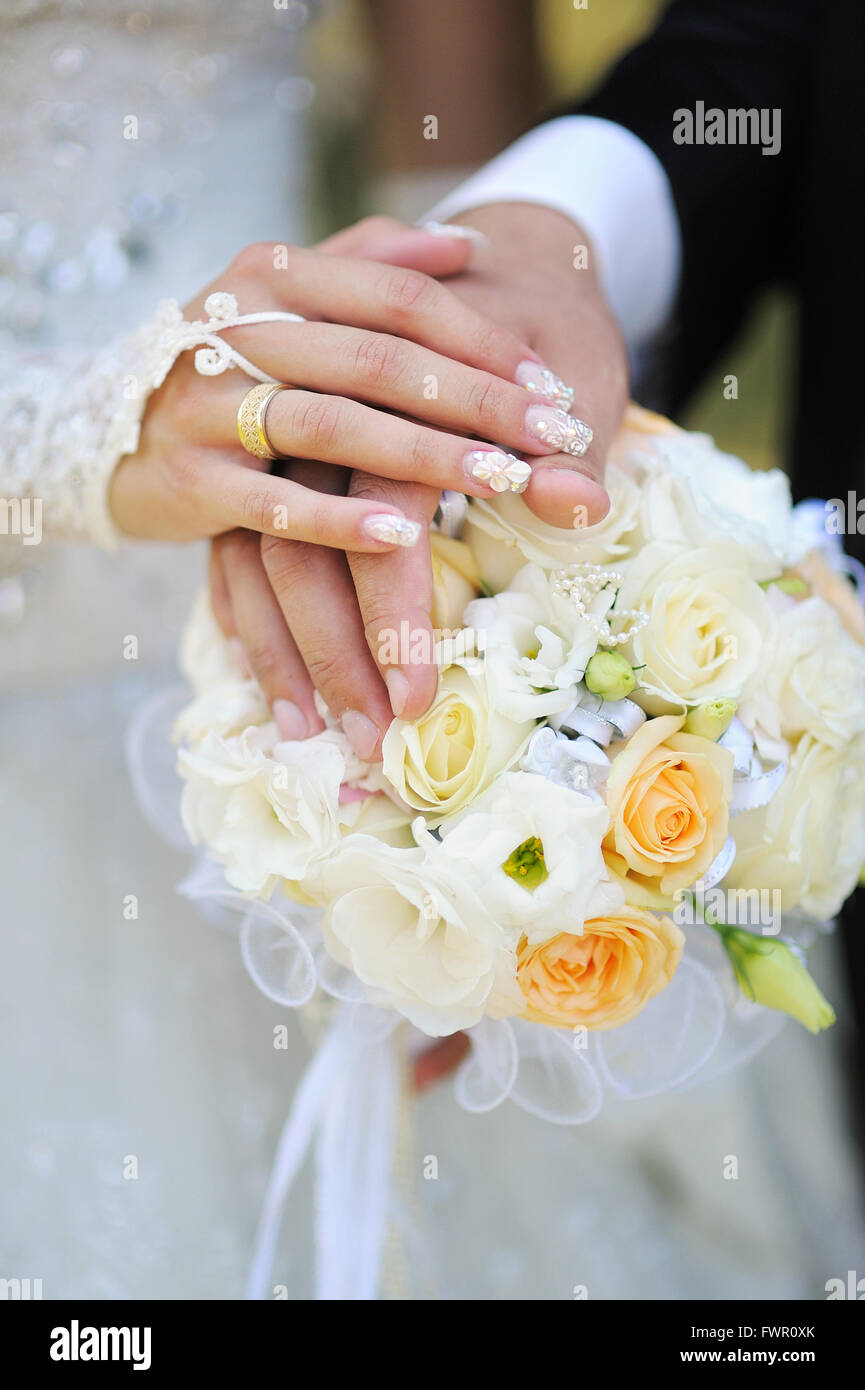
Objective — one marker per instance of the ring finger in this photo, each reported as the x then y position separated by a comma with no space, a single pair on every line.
333,429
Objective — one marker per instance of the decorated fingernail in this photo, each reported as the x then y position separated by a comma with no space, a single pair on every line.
391,529
360,732
542,382
453,229
500,471
562,433
398,689
290,721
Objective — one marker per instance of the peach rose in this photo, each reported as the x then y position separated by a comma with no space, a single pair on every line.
668,795
604,977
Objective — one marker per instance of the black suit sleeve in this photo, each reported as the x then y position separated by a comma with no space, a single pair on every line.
737,207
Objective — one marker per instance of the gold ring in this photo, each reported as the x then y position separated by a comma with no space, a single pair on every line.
250,419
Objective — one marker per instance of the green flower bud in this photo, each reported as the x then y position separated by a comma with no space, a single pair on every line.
610,675
770,973
710,720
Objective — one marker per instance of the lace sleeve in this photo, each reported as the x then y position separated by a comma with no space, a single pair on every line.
66,419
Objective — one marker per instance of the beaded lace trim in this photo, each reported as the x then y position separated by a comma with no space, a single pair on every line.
65,422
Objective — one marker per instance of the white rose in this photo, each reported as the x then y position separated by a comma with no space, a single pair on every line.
709,624
809,840
536,646
814,677
690,489
265,818
442,761
504,533
536,849
418,936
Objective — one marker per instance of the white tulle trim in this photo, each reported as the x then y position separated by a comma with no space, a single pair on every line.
698,1028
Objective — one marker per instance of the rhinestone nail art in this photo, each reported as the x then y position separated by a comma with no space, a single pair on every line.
391,530
561,432
542,382
500,471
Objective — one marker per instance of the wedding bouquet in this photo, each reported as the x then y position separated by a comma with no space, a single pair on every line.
639,781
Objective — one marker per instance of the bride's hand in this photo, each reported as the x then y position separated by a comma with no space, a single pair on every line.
381,344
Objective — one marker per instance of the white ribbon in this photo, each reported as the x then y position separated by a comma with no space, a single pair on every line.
740,743
585,722
752,787
598,719
751,792
719,867
624,715
346,1102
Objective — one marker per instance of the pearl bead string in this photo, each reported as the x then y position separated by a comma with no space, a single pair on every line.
580,584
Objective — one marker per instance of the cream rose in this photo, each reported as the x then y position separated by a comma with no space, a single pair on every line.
456,580
668,795
809,840
602,978
442,761
418,935
708,628
813,680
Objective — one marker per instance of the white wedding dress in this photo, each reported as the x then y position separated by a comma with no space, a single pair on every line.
141,1091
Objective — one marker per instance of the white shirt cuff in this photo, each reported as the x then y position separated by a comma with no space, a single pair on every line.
606,179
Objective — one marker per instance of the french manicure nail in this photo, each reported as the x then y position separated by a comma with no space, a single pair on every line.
360,732
290,720
542,382
500,471
456,230
398,689
391,529
562,433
